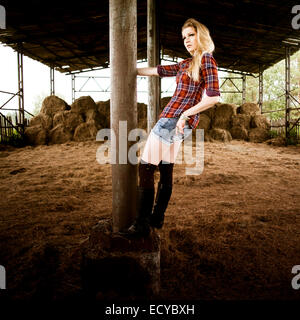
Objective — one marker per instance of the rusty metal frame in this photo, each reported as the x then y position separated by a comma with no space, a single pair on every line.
52,82
288,123
20,120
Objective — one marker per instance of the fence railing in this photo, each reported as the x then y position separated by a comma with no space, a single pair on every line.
279,126
11,126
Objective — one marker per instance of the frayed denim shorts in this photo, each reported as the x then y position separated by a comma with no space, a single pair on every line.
165,130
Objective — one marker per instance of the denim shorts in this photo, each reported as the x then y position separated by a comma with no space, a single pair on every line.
165,130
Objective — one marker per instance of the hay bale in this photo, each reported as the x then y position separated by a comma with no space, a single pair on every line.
70,120
204,122
250,108
220,134
223,116
241,120
103,108
277,141
211,111
83,104
86,131
260,121
258,135
42,120
52,105
94,115
239,132
207,137
60,134
35,135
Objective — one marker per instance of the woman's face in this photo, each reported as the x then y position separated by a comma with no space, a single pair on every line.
189,36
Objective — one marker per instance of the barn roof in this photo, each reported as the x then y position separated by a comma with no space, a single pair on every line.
75,36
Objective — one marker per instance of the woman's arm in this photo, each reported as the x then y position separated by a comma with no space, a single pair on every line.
149,71
204,104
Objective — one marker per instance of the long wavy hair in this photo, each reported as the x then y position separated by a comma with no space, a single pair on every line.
205,44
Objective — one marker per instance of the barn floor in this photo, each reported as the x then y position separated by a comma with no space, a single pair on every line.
231,233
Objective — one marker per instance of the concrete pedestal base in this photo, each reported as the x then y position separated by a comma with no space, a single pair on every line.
120,267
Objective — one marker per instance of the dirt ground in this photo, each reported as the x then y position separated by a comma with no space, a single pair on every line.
231,233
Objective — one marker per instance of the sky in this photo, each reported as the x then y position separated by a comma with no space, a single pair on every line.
37,82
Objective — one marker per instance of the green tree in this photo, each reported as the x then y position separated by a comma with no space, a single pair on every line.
273,88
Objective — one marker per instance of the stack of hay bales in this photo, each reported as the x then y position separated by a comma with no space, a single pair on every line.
40,126
58,122
221,121
253,126
224,122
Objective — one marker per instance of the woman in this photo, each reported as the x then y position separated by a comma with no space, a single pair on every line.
181,114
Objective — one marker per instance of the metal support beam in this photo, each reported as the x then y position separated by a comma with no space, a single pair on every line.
73,87
244,89
232,83
123,58
153,56
21,91
287,89
52,84
261,89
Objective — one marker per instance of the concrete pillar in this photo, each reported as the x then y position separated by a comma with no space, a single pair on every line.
153,60
123,104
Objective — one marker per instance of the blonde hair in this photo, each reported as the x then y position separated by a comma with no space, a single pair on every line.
205,44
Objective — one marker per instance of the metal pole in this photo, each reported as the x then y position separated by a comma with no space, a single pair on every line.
287,90
73,87
21,90
244,89
52,86
153,60
123,58
261,88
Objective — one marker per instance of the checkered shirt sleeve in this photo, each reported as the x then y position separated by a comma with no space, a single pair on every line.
168,71
209,72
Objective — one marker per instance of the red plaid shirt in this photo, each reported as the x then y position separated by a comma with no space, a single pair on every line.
188,92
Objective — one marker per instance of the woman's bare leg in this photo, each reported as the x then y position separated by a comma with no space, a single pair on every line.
170,152
153,150
156,151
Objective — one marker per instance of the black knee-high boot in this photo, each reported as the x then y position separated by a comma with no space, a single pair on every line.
141,226
145,199
163,195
